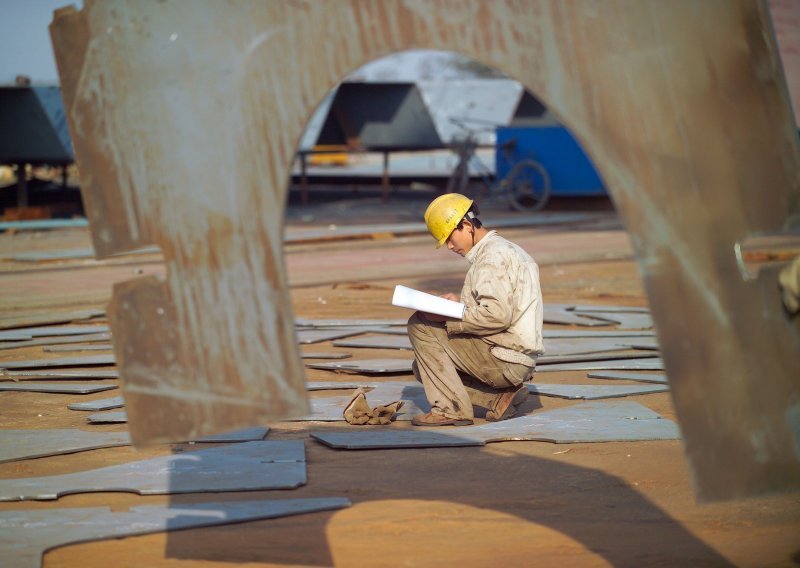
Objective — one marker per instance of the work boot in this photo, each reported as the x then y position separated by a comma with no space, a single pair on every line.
431,419
507,403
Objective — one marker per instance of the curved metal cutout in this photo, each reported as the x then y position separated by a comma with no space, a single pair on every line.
185,120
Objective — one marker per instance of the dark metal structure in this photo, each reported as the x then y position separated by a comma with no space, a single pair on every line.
379,117
33,130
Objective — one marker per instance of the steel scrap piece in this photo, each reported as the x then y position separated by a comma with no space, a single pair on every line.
563,314
87,360
52,375
624,320
388,341
367,366
98,405
248,466
54,330
642,377
585,422
55,388
593,392
58,340
650,364
25,535
314,335
26,444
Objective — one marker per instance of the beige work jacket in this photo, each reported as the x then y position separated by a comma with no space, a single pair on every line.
503,300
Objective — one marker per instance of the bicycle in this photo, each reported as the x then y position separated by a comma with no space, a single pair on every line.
527,185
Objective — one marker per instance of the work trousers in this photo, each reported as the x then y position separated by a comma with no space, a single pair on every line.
459,371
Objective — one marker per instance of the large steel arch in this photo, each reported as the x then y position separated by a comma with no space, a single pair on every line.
185,117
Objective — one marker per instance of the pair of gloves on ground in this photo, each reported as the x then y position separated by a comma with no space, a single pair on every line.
358,411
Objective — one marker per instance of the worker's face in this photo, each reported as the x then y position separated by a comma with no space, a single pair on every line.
460,240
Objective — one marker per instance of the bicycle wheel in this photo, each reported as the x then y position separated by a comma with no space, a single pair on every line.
528,186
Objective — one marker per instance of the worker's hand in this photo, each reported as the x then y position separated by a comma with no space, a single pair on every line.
451,296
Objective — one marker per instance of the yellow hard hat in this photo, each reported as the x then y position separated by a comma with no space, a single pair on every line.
444,214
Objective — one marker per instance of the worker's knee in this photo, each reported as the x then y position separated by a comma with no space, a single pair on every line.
416,324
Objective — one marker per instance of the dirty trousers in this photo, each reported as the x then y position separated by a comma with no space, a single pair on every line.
459,371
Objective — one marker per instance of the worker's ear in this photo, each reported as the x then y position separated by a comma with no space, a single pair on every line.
468,224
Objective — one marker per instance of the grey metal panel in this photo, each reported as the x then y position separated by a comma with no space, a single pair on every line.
118,417
568,333
26,444
23,321
21,547
51,375
648,344
366,323
56,330
74,348
642,377
97,405
611,309
87,360
547,360
14,336
246,435
335,385
39,224
56,340
33,126
55,388
563,314
72,254
306,336
390,341
624,320
651,364
586,422
48,255
581,345
380,116
367,366
325,355
593,392
249,466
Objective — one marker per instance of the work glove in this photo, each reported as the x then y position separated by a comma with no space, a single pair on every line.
358,411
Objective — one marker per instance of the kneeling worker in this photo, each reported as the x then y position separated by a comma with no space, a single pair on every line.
485,358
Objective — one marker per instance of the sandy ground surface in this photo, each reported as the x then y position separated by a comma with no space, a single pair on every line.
510,503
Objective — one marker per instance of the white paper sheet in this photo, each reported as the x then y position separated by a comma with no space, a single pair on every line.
409,298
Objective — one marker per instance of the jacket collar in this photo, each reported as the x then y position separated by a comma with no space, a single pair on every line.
475,251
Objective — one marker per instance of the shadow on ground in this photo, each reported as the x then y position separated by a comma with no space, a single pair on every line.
600,511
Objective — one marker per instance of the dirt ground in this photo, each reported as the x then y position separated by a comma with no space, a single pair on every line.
509,503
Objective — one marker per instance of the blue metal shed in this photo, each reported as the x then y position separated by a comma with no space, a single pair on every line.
571,172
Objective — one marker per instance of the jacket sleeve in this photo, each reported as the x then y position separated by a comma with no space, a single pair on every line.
490,307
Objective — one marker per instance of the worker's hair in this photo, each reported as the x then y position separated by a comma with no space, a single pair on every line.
472,216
